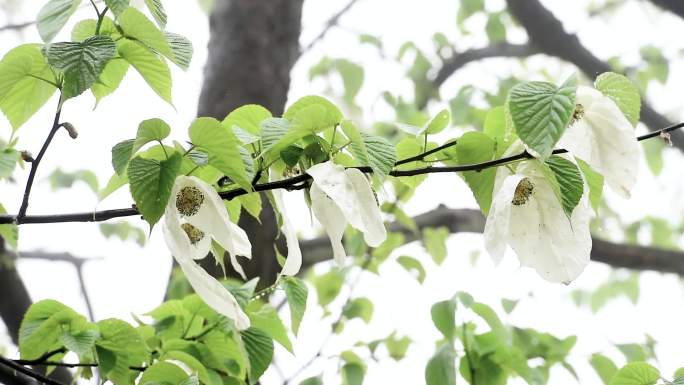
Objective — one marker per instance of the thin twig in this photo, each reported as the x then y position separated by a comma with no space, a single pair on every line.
329,25
297,183
31,373
36,161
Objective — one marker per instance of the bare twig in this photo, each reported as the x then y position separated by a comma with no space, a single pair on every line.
332,22
31,373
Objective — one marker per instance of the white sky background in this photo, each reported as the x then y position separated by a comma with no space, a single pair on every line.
133,279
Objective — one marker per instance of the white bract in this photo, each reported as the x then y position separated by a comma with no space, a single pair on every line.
293,261
194,216
603,137
527,215
339,197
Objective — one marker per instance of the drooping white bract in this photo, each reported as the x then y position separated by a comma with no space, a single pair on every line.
603,137
293,261
340,196
527,215
194,215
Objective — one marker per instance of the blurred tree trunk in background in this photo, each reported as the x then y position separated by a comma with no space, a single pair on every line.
252,48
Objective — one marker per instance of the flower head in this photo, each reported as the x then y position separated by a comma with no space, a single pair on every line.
194,216
527,215
603,137
340,197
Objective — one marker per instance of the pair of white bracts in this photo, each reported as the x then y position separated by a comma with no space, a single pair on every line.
538,230
195,215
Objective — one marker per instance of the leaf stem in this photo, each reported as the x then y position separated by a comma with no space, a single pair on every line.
100,18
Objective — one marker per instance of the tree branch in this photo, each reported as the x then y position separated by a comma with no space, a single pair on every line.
36,162
472,221
674,6
333,21
547,35
300,182
16,27
28,372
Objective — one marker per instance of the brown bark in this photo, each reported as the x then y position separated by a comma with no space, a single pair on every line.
253,46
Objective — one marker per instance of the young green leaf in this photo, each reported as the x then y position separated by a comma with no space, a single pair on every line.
476,147
110,79
150,184
272,130
594,181
623,92
120,347
259,347
163,373
153,69
121,154
296,292
359,308
434,240
87,28
541,112
117,6
149,131
604,367
53,16
248,117
444,318
157,10
41,327
81,63
441,369
137,26
569,180
636,373
413,266
353,374
26,83
370,150
182,49
209,135
10,233
439,122
265,318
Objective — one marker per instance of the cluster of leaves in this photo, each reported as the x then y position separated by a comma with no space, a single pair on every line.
182,342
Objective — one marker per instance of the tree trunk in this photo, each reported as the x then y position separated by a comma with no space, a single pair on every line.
252,48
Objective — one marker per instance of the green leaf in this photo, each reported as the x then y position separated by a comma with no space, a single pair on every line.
439,122
81,63
191,362
296,292
328,286
149,131
8,161
359,308
157,10
397,347
182,49
151,182
413,266
594,181
81,343
540,113
623,92
151,67
476,147
291,155
120,347
353,374
468,8
444,318
41,327
60,179
117,6
10,233
441,369
137,26
434,240
272,130
312,381
636,373
121,155
163,373
111,77
569,180
259,347
370,150
604,367
248,117
22,93
53,16
496,30
209,135
265,318
87,28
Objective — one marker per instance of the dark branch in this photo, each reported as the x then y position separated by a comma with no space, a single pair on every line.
16,27
28,372
299,182
674,6
472,221
36,161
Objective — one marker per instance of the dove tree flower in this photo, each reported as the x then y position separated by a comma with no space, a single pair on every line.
342,196
293,261
602,136
193,217
527,215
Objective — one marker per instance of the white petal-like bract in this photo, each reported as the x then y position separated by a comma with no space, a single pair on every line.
534,224
604,138
293,261
332,219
